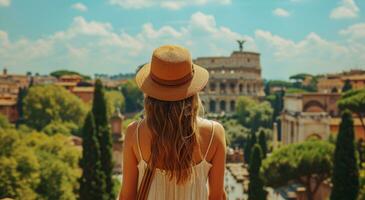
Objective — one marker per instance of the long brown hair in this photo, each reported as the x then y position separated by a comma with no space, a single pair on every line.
174,127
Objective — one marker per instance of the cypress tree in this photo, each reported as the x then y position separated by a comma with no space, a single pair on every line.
252,140
256,186
19,106
92,185
345,178
104,136
347,86
263,143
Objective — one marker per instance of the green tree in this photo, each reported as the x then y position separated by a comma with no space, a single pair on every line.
347,86
92,181
46,103
252,114
19,105
354,100
99,111
252,140
4,123
37,166
263,142
59,127
236,134
114,99
60,73
133,96
345,177
19,168
256,186
309,163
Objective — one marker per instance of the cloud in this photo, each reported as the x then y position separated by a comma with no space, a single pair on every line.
5,3
79,6
312,54
281,12
94,46
346,9
169,4
355,31
97,47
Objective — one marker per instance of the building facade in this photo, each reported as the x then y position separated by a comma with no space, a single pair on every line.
308,115
230,77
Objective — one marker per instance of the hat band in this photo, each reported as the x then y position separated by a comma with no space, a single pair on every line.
175,82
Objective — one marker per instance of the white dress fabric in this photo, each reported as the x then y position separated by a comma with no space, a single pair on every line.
164,189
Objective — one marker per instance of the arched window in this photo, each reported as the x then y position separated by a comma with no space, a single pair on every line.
212,87
223,105
223,87
232,105
241,88
212,106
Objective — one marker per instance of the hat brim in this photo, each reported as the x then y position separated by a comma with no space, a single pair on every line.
171,93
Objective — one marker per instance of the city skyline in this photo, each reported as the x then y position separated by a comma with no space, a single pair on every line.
115,36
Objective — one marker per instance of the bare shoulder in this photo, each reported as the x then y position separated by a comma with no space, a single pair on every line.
130,133
219,133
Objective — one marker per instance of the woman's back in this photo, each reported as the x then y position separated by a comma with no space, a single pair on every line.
184,148
208,169
164,188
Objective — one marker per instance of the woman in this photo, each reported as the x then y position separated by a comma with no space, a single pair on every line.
186,152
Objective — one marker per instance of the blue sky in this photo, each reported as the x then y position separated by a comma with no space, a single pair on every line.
115,36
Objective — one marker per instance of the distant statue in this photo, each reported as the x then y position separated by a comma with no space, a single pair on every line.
240,44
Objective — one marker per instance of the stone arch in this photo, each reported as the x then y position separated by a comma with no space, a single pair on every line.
222,105
240,88
232,87
222,87
212,106
232,105
314,106
212,86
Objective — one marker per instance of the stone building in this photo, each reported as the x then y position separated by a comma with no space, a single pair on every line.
230,77
334,82
313,115
308,115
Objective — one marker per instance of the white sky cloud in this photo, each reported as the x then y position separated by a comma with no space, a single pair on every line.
281,12
5,3
79,6
346,9
169,4
94,46
355,31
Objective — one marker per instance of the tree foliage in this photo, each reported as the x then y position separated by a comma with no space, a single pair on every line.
236,134
37,166
92,181
345,177
252,114
263,142
114,99
59,127
103,133
256,185
354,100
60,73
46,103
308,163
347,86
133,96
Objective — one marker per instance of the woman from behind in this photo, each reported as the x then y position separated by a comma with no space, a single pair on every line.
173,154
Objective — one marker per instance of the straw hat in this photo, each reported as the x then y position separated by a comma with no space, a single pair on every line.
171,75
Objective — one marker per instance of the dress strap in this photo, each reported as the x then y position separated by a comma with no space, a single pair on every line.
210,142
137,133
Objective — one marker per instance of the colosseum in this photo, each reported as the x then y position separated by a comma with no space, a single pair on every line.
231,77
